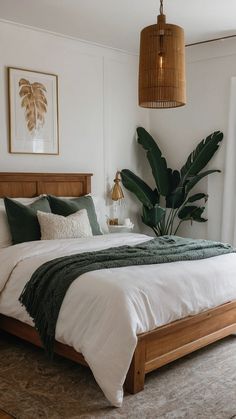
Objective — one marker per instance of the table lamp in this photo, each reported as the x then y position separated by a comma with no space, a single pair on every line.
116,196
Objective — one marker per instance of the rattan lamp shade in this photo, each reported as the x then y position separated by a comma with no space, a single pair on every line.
162,66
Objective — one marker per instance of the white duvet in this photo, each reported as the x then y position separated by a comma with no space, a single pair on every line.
103,311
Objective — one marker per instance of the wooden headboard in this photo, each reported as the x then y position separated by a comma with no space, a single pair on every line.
28,185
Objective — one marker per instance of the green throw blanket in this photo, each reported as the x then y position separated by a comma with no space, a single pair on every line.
44,293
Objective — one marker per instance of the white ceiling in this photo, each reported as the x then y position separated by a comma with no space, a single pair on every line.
117,23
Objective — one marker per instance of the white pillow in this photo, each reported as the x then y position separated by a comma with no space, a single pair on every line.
55,226
5,235
101,212
28,201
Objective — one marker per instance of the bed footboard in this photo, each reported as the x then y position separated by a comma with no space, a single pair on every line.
175,340
156,348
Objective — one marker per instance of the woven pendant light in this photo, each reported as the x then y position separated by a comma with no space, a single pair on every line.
162,65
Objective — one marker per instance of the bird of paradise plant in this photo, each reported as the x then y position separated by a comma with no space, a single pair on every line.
171,203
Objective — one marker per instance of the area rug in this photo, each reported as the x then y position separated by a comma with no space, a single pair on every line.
199,386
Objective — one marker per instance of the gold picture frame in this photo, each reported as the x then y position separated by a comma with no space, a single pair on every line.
33,112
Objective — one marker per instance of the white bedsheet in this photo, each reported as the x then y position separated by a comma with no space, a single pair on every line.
103,311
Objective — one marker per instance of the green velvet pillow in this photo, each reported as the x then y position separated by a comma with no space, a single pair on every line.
22,219
66,207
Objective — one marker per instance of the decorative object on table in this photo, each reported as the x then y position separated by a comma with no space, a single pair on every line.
33,107
170,201
117,196
128,223
126,227
162,65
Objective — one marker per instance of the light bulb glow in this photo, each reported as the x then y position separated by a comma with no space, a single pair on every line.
161,61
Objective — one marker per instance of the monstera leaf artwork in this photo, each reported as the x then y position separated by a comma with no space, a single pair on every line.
34,102
170,204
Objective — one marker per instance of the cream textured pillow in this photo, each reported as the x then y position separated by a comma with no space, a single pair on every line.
58,227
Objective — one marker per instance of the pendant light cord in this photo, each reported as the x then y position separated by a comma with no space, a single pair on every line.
161,7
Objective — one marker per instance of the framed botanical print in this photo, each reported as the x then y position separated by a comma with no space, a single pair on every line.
33,109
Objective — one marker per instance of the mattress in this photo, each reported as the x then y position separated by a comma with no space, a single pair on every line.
104,311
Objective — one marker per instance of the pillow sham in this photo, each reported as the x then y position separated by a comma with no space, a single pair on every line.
59,227
22,219
101,212
67,207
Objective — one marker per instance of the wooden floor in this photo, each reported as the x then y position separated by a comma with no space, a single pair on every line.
4,415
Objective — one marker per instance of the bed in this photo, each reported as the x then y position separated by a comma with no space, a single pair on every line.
154,348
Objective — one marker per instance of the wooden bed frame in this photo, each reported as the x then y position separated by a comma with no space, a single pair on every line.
154,349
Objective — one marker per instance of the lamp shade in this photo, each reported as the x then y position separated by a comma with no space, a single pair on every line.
162,66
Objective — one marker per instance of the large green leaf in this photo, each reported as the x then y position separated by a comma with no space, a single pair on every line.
173,179
136,185
151,217
186,212
195,179
197,197
199,158
176,198
156,160
197,215
176,195
193,213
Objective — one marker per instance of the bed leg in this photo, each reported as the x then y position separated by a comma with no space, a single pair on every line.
136,375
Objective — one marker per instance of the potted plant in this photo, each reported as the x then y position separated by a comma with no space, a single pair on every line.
171,203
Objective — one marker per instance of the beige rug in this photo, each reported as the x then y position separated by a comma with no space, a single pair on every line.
200,386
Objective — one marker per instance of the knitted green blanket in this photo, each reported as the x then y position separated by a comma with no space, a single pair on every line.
44,293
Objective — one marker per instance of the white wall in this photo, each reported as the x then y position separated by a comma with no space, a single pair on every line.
209,70
98,111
